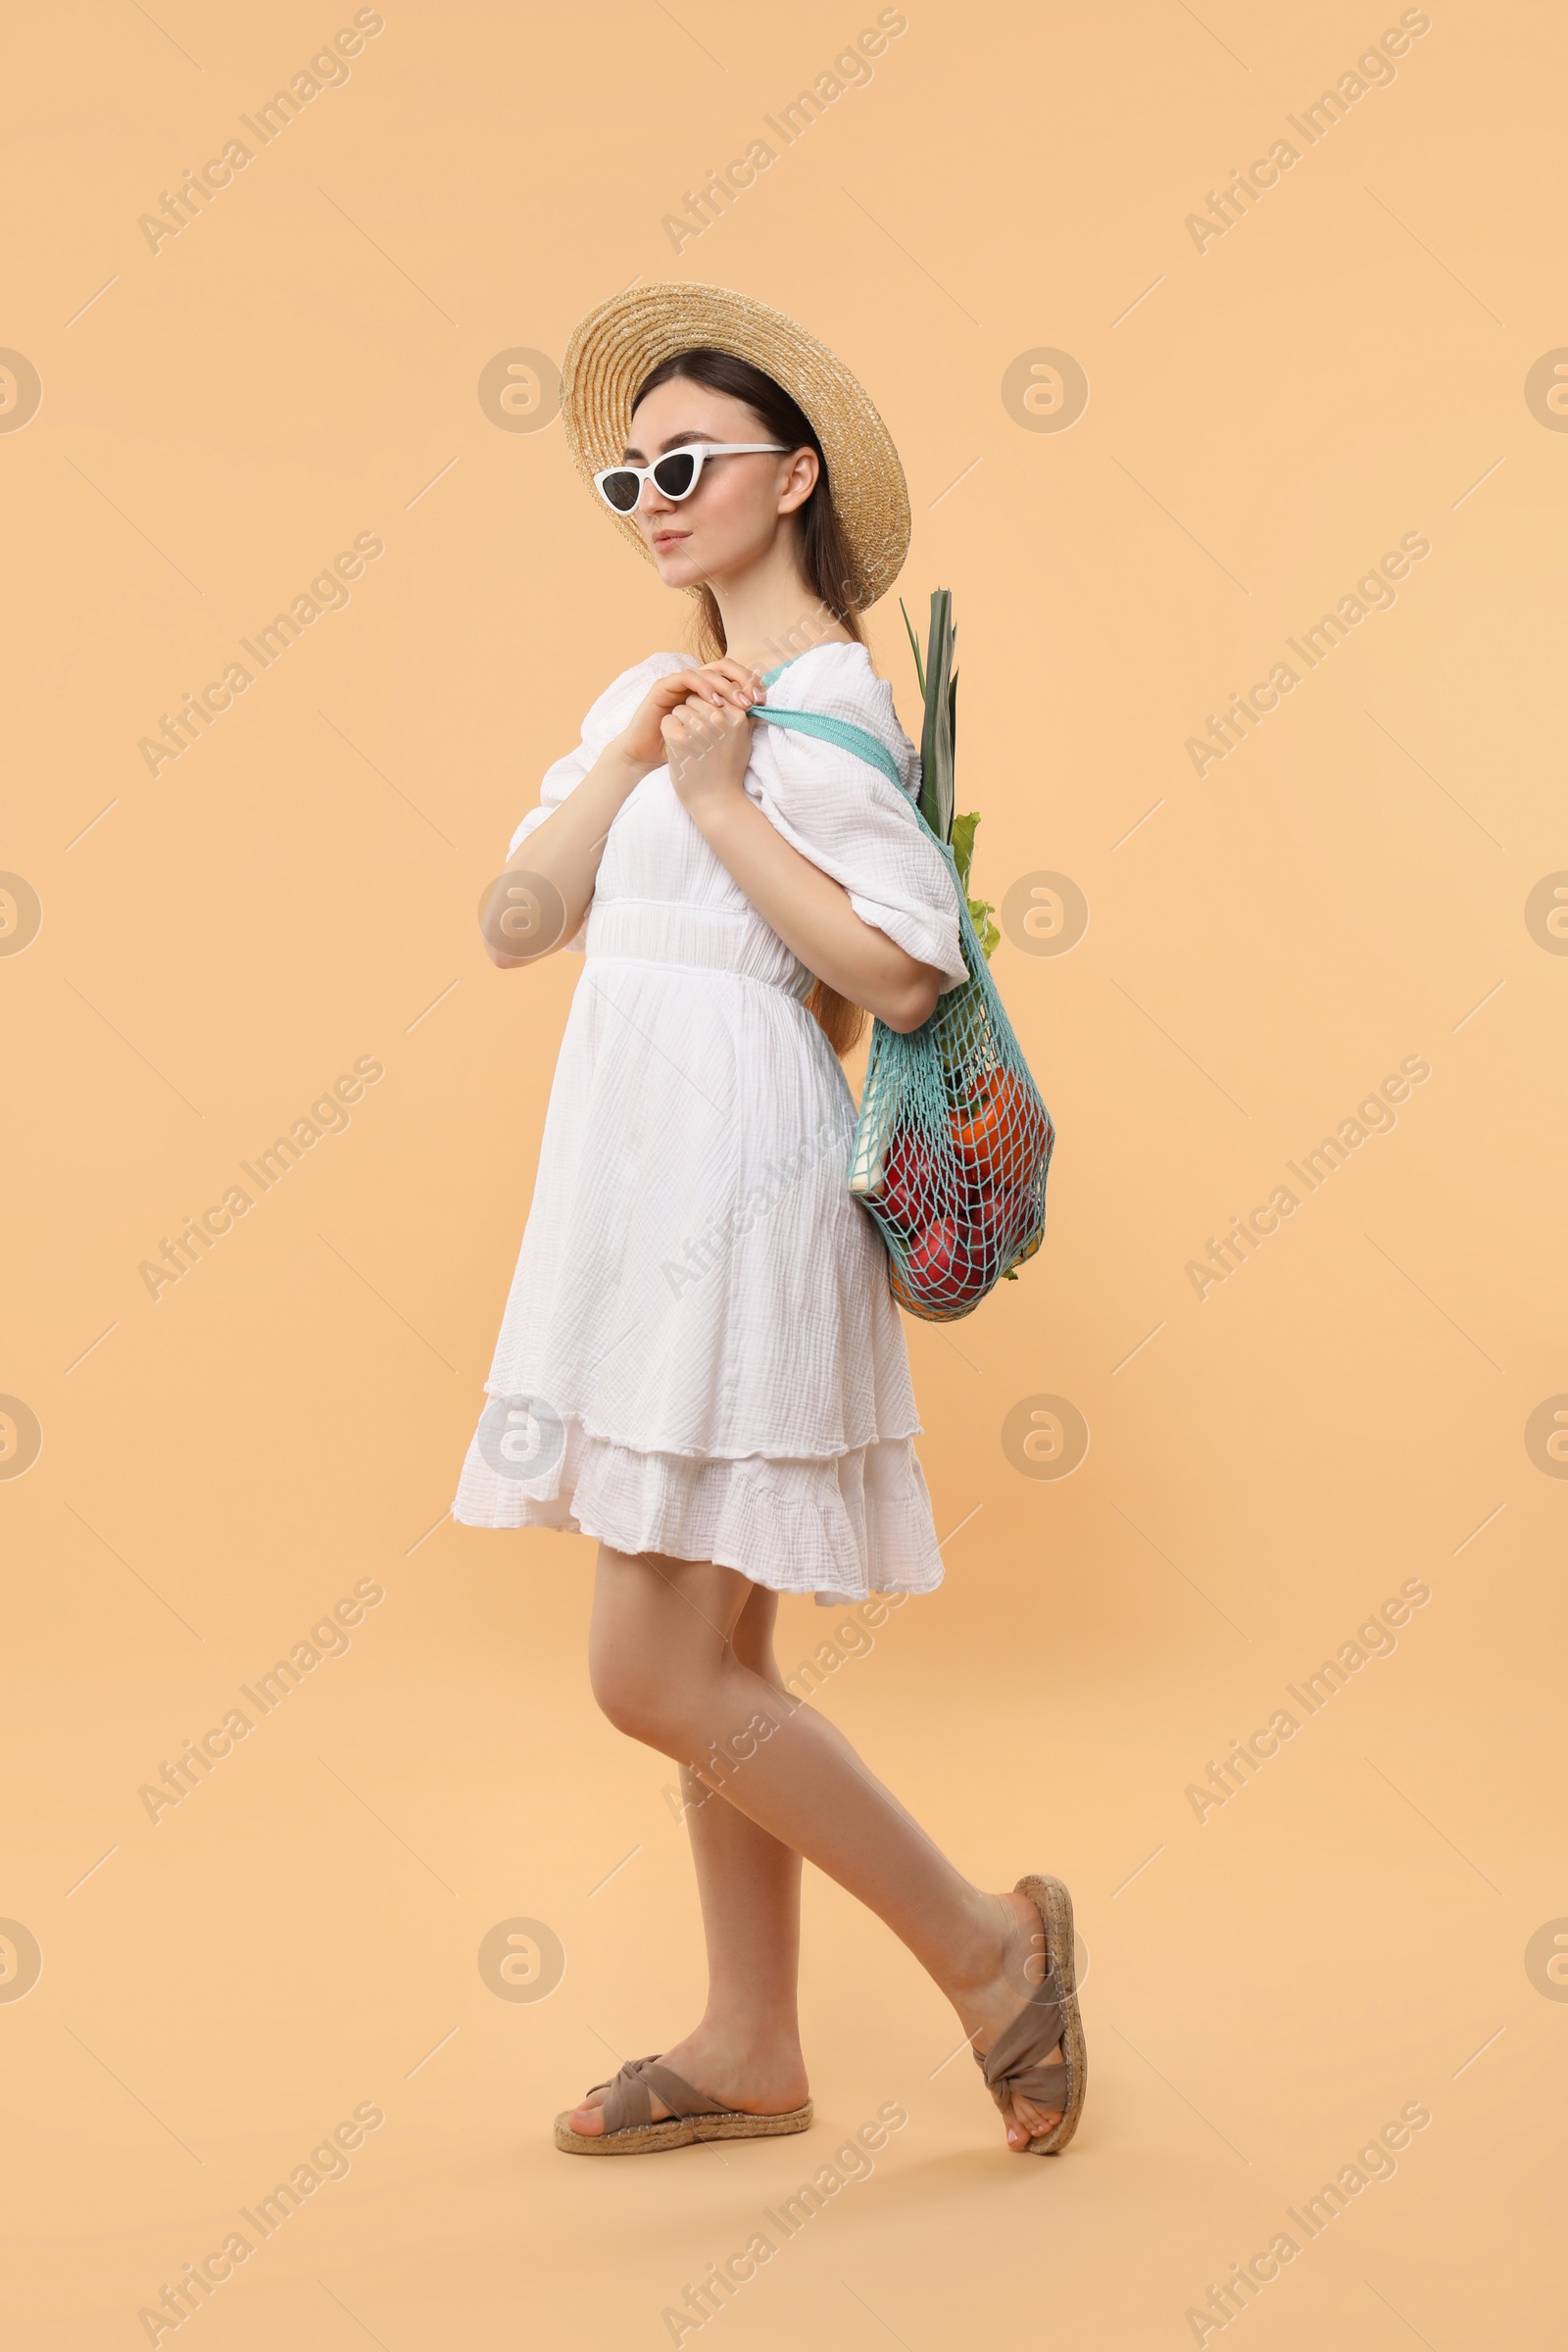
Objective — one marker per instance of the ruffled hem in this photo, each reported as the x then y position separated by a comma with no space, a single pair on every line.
841,1527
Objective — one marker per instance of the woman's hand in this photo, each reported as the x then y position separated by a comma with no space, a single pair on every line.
812,912
727,686
707,746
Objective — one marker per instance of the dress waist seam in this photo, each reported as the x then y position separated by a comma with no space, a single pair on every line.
676,963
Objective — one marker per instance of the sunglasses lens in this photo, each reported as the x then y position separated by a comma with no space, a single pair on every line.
621,490
675,475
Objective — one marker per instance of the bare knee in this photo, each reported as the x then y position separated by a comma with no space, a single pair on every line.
637,1697
657,1646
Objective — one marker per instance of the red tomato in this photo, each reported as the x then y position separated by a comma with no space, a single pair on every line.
1005,1214
930,1262
910,1181
948,1265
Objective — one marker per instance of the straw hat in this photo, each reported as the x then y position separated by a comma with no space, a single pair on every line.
619,344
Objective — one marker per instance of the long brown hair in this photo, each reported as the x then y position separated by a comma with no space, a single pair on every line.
824,561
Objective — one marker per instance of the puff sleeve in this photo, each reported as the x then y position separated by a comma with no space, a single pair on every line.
604,721
853,821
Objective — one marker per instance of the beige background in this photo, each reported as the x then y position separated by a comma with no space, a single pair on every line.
1266,1465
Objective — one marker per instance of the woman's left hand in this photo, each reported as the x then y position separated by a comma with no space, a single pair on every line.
707,746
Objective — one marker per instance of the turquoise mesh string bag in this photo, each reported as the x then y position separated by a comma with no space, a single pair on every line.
952,1146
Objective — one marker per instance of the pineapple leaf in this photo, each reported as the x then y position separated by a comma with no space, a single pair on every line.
936,743
919,668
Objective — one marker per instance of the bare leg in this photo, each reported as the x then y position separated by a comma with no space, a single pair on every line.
746,2050
667,1670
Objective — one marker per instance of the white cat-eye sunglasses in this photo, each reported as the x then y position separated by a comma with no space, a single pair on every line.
674,476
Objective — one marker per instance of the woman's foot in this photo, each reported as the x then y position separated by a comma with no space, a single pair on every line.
756,2077
1010,1963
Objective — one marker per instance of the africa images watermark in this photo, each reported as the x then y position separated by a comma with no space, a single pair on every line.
703,1251
814,626
1373,1640
1373,1116
328,1638
850,70
328,1115
851,2162
1374,592
1374,2162
809,1677
327,593
327,70
328,2162
1374,69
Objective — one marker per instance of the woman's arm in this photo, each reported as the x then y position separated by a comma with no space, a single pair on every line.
707,748
563,853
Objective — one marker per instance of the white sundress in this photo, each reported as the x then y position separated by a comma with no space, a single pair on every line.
699,1355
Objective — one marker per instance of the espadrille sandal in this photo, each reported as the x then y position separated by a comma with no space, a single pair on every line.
1015,2064
628,2110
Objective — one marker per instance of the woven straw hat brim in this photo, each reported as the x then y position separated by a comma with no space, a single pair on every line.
619,344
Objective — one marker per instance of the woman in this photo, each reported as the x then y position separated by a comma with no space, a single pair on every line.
701,1363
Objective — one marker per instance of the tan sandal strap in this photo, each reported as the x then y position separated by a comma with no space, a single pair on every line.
626,2103
1044,2086
681,2096
629,2097
1015,2063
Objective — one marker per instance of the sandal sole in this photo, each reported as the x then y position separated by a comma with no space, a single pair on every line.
1054,1906
678,2131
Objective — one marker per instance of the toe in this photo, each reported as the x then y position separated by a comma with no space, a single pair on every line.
1023,2123
1033,2120
1027,2119
588,2120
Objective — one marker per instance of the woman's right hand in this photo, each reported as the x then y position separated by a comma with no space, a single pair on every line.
725,682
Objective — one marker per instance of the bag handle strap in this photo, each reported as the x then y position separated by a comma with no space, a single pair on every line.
864,746
841,732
